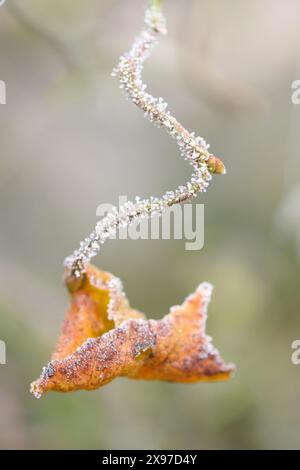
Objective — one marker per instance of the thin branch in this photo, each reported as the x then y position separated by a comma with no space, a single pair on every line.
193,149
155,4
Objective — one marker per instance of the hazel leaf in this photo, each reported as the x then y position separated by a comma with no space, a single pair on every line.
104,338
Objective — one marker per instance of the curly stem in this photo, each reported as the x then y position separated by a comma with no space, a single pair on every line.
193,149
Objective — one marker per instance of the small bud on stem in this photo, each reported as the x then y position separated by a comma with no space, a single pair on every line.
216,166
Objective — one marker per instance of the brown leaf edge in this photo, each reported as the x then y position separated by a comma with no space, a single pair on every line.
103,338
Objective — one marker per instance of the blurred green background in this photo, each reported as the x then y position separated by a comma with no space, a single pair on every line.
69,141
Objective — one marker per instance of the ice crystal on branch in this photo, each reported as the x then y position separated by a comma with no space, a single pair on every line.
193,149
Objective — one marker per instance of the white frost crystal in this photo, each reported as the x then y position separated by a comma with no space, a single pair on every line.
193,149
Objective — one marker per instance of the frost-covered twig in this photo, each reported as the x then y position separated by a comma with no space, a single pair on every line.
194,149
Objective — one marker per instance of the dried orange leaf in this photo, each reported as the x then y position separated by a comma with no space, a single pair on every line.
103,338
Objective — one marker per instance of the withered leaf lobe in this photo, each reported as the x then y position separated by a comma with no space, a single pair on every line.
103,338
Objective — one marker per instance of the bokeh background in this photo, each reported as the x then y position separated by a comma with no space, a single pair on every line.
69,141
